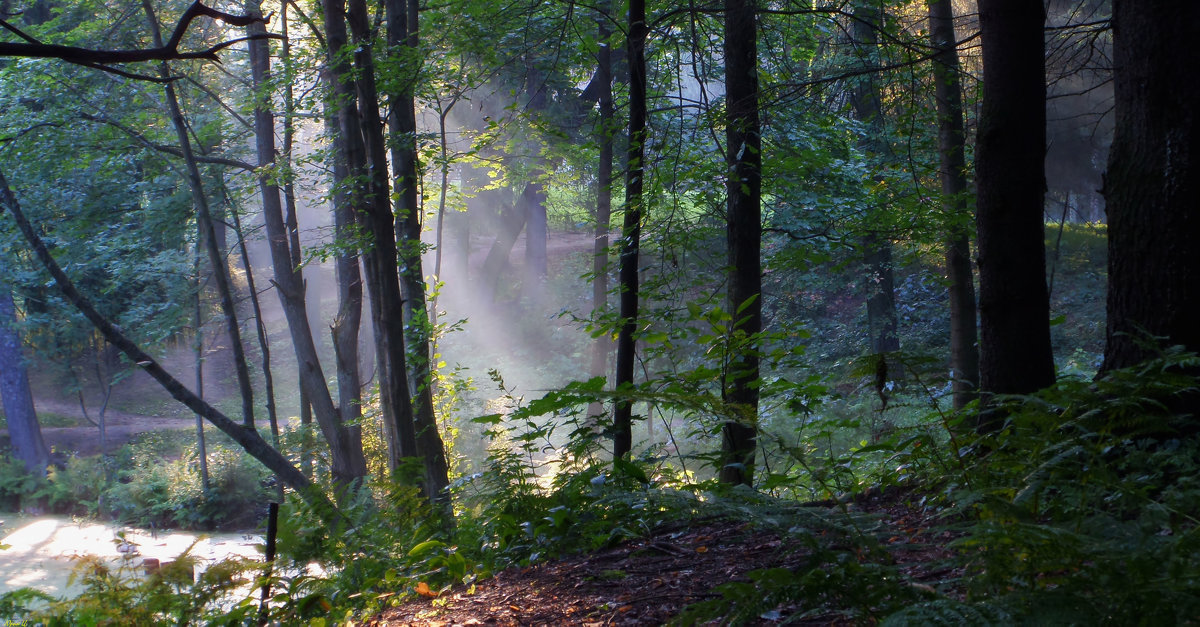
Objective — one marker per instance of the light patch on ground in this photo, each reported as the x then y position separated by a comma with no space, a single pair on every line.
41,551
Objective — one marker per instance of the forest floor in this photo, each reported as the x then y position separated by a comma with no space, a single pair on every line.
649,581
84,440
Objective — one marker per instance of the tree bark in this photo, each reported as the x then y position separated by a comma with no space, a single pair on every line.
402,123
631,230
743,146
348,465
1153,181
1014,306
882,337
23,429
964,351
602,345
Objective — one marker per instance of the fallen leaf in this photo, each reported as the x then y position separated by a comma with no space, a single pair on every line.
423,590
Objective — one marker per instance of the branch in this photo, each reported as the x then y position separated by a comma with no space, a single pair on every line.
90,57
249,439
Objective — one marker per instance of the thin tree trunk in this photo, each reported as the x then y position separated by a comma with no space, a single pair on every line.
632,227
264,342
220,271
602,345
348,465
743,145
402,123
201,444
964,349
880,282
1014,307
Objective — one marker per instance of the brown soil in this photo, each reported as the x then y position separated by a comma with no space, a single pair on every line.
651,580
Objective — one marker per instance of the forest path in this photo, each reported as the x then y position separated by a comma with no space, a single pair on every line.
651,580
84,440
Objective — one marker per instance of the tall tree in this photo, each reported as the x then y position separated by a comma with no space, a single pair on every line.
1014,305
345,440
743,145
964,351
882,325
631,231
602,345
1153,180
403,37
24,432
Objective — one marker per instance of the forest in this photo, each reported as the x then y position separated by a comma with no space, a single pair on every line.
611,312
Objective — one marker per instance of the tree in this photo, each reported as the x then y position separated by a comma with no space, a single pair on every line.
402,124
880,281
1014,306
345,440
104,59
743,146
631,231
952,170
1153,181
248,439
24,432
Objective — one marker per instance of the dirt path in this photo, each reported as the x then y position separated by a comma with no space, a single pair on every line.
84,440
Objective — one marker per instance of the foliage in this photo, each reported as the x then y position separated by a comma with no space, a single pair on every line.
170,493
1083,508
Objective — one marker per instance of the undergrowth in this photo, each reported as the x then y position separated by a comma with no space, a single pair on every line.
1081,509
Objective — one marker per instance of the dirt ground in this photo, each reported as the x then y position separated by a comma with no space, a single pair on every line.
84,440
649,581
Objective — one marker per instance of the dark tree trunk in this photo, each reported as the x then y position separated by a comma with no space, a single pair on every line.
632,229
880,275
348,465
537,234
743,239
602,345
1153,181
347,325
402,123
1014,306
23,429
964,351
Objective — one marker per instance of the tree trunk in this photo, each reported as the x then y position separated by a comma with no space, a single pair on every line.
1153,181
1014,307
602,345
964,352
23,429
208,234
402,123
632,229
380,262
512,222
743,146
345,443
880,281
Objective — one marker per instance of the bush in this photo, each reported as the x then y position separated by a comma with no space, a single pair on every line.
171,493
